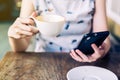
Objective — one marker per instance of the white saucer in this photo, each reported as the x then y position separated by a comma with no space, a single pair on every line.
90,73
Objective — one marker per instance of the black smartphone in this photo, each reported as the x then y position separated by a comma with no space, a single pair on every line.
90,38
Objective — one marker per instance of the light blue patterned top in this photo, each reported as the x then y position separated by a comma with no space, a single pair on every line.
78,15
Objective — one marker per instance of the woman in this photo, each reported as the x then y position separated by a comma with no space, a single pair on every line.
81,16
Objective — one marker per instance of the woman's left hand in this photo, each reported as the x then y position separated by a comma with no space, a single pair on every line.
99,52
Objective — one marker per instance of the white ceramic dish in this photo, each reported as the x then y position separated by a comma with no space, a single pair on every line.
90,73
49,25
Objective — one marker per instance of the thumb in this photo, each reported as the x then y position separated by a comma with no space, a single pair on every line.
34,14
95,48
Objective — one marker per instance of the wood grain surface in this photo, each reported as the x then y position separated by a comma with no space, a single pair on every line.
48,66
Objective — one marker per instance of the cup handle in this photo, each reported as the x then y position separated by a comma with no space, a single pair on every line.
31,17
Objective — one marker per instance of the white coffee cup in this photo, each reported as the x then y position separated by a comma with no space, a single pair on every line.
49,25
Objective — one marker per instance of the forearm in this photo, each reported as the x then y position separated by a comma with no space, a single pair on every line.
18,45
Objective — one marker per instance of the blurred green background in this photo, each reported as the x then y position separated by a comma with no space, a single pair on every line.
9,10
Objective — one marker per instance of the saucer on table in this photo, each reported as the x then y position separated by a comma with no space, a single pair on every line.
90,73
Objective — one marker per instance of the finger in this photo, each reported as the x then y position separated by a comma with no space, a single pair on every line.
30,21
83,56
26,21
95,48
34,29
15,36
24,27
22,32
75,56
96,53
28,28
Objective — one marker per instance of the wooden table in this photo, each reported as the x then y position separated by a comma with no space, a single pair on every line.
48,66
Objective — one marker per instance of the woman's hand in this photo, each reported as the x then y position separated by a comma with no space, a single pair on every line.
22,27
81,57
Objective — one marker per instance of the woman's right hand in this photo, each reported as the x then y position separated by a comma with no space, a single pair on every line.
21,28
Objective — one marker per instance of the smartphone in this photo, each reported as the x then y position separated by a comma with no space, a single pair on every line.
90,38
